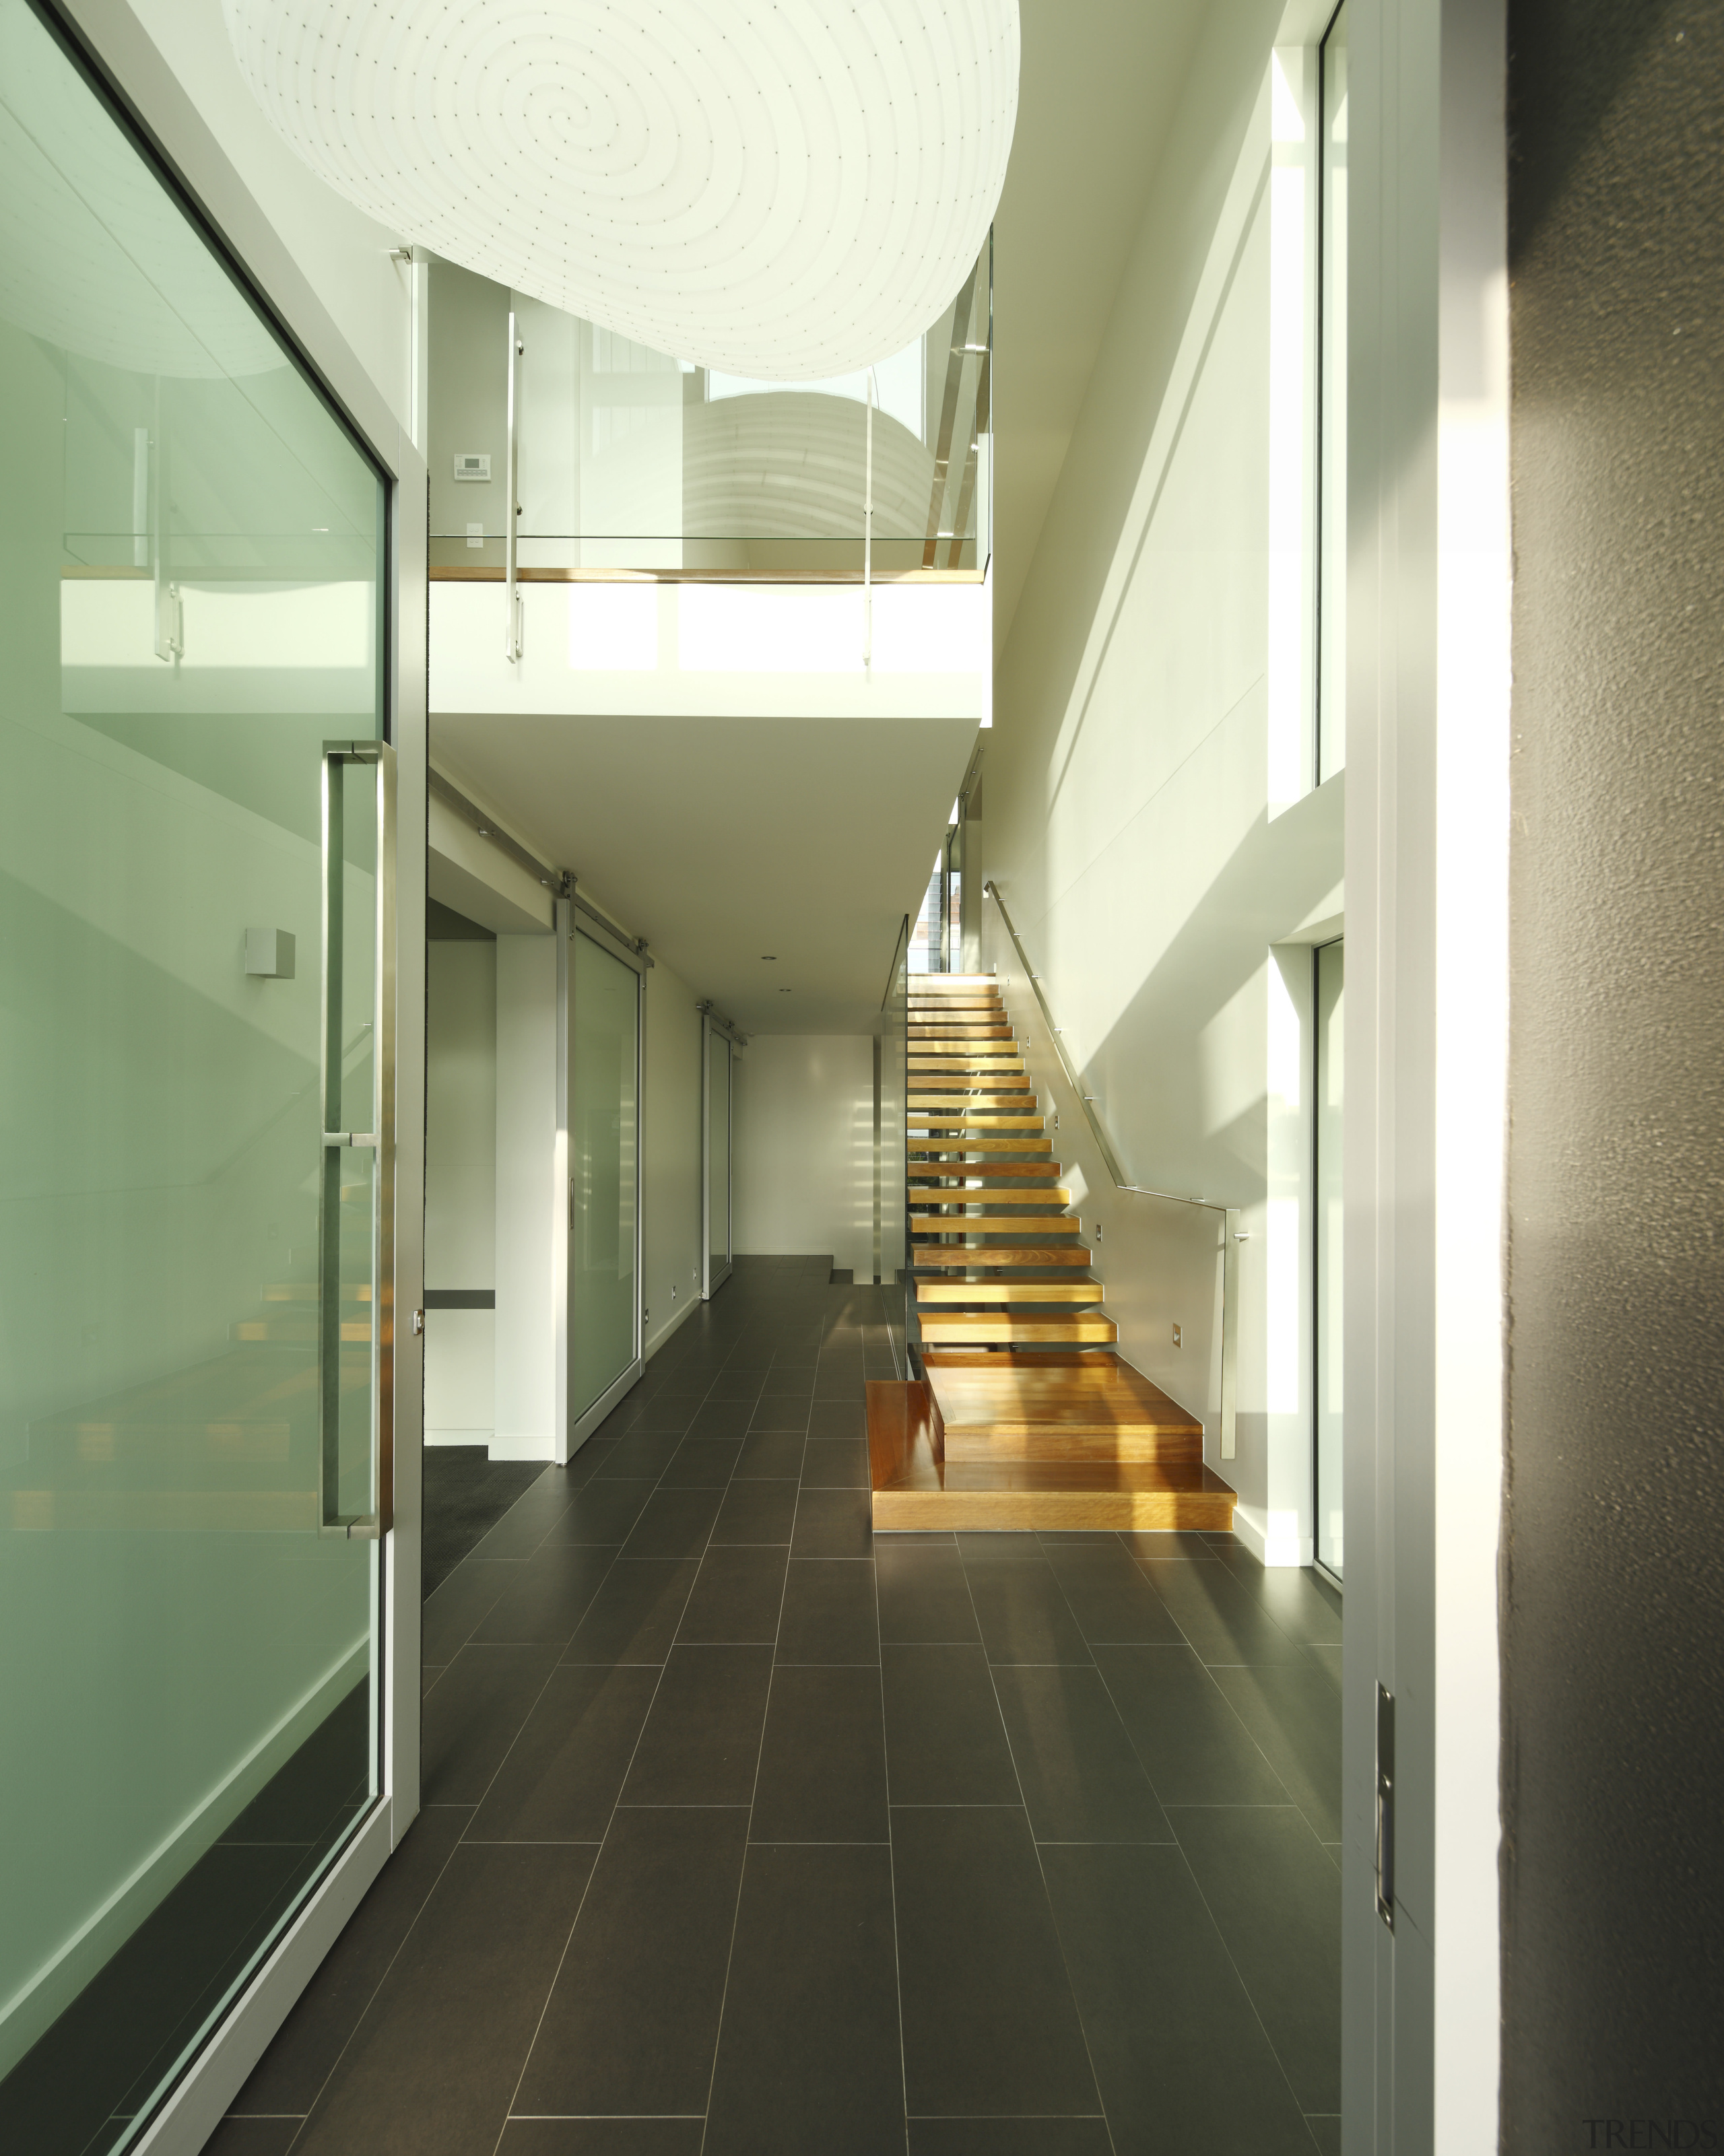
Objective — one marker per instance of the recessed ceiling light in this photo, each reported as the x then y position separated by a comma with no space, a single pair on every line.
769,958
785,992
781,189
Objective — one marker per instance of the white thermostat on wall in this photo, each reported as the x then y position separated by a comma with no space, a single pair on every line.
469,464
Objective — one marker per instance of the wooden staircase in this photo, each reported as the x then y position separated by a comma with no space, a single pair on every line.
1026,1417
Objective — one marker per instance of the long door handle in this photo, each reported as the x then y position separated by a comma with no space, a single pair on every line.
374,1132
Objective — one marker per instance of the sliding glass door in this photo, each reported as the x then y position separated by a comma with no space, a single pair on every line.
718,1067
196,1154
1331,976
603,1333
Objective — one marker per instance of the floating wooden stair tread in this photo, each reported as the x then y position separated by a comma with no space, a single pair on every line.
944,1257
960,1223
1007,1290
940,1327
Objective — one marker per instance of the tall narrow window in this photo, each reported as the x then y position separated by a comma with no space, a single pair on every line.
1331,582
1331,975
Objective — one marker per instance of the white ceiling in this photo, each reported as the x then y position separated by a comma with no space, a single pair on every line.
720,840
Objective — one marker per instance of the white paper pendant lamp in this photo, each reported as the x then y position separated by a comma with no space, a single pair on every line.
783,189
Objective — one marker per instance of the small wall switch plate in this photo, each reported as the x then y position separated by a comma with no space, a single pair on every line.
1176,1336
673,1292
469,464
269,953
475,535
1098,1231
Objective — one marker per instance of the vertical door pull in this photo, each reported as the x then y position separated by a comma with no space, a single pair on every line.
1386,1806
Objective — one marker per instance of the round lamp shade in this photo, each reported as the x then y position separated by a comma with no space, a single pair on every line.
783,189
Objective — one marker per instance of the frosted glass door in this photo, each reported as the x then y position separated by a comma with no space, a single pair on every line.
718,1158
190,1282
1332,966
604,1071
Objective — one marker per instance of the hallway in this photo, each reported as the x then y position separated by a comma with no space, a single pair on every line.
1036,1838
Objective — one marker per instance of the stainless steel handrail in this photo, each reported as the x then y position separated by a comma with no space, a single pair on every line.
1232,1236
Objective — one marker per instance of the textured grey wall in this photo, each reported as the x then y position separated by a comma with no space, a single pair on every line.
1614,1631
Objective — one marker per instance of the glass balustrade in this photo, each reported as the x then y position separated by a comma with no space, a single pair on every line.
629,459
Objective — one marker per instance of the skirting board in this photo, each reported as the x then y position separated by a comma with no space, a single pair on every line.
521,1445
1269,1550
484,1437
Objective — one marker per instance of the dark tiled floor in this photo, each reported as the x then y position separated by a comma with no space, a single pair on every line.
743,1832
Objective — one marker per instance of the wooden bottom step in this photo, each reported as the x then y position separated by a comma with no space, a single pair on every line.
913,1490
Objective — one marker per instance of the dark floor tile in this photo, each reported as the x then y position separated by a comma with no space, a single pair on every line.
642,1456
428,1675
756,1512
547,1596
474,1715
924,1594
789,1382
1303,1605
701,1741
1171,1545
665,1415
1019,1605
1325,2129
305,2047
1009,2137
989,2023
945,1742
452,1615
675,1523
1326,1655
431,2067
1181,2057
1295,1717
1222,1620
808,2054
832,1523
1080,1778
822,1761
1276,1898
839,1418
835,1463
723,1419
829,1613
634,1615
703,1463
525,1521
562,1776
1194,1747
737,1595
771,1455
632,2022
253,2137
604,1513
602,2137
780,1413
1109,1597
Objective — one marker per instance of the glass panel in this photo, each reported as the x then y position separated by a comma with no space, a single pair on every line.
1331,429
633,459
1331,969
189,607
603,1068
718,1156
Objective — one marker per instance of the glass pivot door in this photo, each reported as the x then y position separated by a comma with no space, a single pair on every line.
603,989
717,1117
195,1146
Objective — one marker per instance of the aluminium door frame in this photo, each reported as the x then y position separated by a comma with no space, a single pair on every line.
574,1426
138,85
711,1282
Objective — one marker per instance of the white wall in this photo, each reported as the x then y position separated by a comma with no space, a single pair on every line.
1136,777
460,1187
804,1137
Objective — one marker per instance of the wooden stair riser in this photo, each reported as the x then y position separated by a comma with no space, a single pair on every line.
1057,1442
